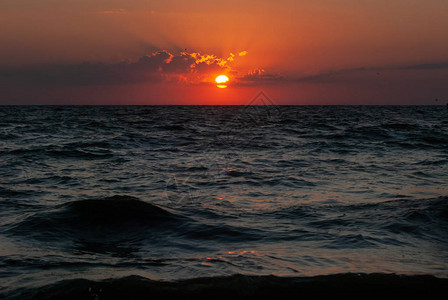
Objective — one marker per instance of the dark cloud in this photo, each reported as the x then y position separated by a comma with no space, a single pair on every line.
428,66
378,71
258,76
157,67
325,76
192,68
81,74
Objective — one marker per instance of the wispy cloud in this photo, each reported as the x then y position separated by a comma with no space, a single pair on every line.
117,11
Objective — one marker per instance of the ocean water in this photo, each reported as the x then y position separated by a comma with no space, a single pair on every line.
98,201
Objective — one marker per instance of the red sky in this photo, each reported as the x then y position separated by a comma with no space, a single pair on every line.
169,52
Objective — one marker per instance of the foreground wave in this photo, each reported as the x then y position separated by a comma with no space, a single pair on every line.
339,286
117,216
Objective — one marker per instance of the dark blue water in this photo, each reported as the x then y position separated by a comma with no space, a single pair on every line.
171,193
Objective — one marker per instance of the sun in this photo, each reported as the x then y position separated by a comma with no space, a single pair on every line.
221,80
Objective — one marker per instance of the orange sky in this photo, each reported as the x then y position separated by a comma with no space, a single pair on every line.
169,52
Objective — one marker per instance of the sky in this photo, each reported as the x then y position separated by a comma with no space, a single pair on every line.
299,52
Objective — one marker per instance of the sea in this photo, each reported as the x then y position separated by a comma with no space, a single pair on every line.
220,202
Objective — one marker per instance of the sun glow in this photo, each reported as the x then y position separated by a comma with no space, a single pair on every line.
221,81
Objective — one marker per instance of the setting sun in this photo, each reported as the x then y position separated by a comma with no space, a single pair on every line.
221,80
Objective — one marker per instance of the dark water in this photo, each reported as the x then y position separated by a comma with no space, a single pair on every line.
100,199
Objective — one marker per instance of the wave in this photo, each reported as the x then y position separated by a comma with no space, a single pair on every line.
112,218
400,126
6,193
117,209
427,219
65,152
369,224
338,286
99,223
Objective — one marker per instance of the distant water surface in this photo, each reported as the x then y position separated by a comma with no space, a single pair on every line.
178,192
